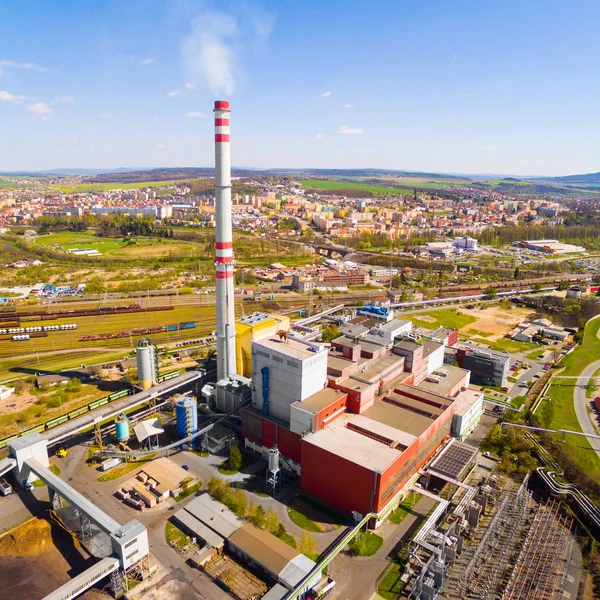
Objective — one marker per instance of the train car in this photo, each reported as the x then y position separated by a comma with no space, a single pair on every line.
7,440
57,421
167,376
77,412
187,325
97,403
172,327
120,394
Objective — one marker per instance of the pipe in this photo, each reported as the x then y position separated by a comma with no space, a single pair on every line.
224,264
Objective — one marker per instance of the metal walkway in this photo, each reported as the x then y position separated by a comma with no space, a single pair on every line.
56,434
6,464
86,580
64,490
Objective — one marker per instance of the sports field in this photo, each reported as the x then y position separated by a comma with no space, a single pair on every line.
113,247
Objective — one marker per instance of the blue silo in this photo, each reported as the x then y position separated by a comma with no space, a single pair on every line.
186,414
122,428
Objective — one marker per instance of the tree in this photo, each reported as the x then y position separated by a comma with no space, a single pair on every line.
308,546
241,502
272,523
235,458
330,333
491,293
256,515
516,275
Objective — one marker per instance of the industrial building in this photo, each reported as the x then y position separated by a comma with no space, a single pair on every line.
216,526
549,246
359,430
487,366
252,328
467,413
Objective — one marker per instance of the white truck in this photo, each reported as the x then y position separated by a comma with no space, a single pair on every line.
5,487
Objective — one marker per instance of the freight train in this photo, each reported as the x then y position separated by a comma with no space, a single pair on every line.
136,332
526,284
77,412
92,312
66,327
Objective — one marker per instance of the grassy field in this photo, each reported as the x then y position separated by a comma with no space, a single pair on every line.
391,585
124,469
114,247
328,184
302,520
565,418
446,317
175,537
508,345
404,508
365,543
105,187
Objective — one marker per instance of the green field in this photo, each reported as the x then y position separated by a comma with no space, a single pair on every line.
328,184
565,418
106,187
446,317
114,247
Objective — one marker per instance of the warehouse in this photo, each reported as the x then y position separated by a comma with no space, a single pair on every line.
268,554
487,367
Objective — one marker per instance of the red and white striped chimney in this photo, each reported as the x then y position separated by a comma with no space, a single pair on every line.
224,246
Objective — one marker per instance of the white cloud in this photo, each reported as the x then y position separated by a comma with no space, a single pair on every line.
488,148
8,97
155,118
147,61
320,136
345,130
174,93
66,99
27,66
161,147
209,51
106,115
348,106
75,139
191,85
198,115
40,108
326,95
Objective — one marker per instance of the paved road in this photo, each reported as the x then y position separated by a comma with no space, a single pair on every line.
356,577
581,404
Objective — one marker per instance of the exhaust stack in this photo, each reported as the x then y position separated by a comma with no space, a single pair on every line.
226,367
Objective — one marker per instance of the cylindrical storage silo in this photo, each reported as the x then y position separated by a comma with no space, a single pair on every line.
122,428
273,460
186,414
146,363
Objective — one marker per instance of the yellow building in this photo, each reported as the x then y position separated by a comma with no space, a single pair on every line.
255,326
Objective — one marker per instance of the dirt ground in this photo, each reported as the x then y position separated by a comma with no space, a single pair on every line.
37,558
493,321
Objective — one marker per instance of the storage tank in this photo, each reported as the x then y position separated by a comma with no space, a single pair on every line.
273,460
122,428
146,363
186,414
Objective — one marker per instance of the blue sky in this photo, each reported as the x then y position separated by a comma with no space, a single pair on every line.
460,86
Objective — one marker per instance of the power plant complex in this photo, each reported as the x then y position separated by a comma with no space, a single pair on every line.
354,421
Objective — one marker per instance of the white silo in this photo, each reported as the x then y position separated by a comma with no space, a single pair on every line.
146,363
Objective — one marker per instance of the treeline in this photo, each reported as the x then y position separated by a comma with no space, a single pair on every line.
570,312
368,240
584,235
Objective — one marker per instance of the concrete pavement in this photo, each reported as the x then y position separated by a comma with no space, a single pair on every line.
356,576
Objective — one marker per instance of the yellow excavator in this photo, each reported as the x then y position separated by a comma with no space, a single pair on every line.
61,452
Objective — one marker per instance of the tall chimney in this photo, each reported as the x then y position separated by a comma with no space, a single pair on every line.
224,245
